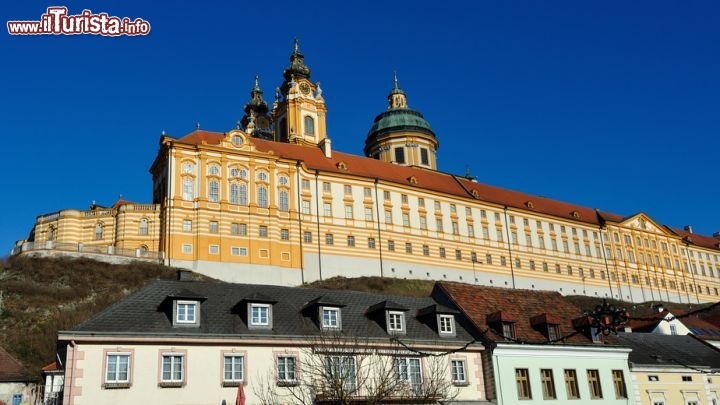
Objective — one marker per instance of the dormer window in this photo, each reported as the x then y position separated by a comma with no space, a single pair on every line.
508,330
330,317
553,332
446,325
548,325
503,324
396,322
260,315
186,312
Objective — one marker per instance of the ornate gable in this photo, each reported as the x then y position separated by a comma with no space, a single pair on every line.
642,222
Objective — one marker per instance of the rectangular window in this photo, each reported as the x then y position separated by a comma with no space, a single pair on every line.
406,219
262,231
423,222
408,369
307,237
238,251
619,384
348,189
396,321
259,314
284,234
488,259
391,245
368,214
327,209
305,184
447,325
243,229
437,205
306,207
213,227
442,252
214,249
371,243
424,160
188,192
594,384
458,254
457,371
326,187
117,368
348,212
400,155
234,228
404,198
331,318
426,250
571,384
455,228
187,248
471,231
367,192
485,232
340,372
439,225
386,195
185,311
523,383
351,241
172,368
548,383
233,368
286,369
388,217
187,225
408,247
421,202
329,239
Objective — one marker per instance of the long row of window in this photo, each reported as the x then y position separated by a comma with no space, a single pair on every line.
572,391
119,367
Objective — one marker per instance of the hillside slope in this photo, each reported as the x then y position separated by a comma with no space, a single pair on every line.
39,296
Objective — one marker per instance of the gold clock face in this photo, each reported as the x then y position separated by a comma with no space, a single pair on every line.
304,88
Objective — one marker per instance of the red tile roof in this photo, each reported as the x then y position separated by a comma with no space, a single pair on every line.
51,367
11,370
696,239
522,306
314,159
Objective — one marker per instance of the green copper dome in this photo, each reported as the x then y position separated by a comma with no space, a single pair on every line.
399,120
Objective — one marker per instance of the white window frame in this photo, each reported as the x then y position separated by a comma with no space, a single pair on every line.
396,322
446,325
287,369
171,359
458,371
410,369
331,321
116,369
257,321
184,319
234,370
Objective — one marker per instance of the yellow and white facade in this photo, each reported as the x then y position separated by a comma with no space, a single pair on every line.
271,202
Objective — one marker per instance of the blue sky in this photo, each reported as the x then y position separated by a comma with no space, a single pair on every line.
611,105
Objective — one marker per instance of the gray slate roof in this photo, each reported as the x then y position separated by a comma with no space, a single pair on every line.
650,349
145,312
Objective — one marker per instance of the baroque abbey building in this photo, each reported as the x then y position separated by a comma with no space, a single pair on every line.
270,202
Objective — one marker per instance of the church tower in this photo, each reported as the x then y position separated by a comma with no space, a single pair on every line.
256,120
299,109
401,135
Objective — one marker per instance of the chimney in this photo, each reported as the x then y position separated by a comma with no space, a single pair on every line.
688,228
184,275
325,146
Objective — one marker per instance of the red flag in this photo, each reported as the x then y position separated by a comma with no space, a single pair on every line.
240,400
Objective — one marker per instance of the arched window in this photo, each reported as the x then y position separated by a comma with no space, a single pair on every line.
188,193
262,197
142,251
51,233
143,227
98,231
284,201
214,192
262,176
309,125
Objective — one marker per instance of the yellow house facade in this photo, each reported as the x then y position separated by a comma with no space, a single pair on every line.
270,201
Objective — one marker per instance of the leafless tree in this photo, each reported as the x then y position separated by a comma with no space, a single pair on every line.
341,370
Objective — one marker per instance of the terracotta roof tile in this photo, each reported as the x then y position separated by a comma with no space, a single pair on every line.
315,159
477,302
696,239
11,370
